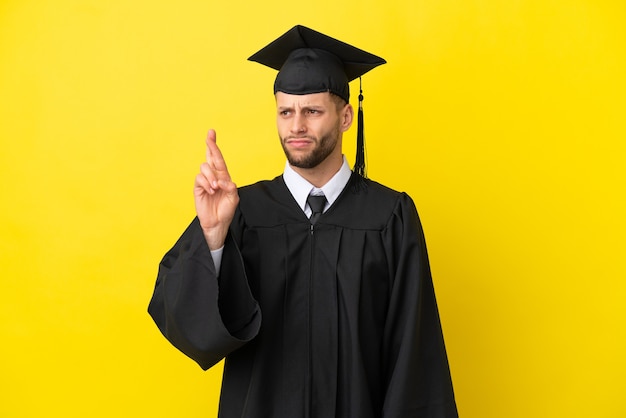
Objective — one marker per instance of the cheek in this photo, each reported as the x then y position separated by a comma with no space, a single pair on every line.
280,125
325,124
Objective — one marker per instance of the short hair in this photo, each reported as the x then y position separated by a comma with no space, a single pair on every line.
338,100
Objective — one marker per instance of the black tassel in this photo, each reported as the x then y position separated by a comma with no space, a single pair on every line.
359,162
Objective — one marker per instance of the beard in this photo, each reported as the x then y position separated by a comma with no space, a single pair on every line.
324,147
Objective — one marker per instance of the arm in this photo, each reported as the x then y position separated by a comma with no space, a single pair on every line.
416,364
203,316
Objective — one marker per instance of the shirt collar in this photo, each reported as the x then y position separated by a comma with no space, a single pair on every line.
301,188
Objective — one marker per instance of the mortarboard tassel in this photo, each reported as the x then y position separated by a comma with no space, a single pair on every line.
359,162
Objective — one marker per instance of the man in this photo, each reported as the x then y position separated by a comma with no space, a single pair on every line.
322,306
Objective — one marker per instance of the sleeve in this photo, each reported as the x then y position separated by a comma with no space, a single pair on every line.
416,365
204,316
216,256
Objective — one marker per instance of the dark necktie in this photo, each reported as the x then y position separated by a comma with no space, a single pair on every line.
316,203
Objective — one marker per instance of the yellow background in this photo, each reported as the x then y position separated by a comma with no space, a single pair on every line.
505,120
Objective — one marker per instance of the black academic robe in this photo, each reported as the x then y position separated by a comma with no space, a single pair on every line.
338,319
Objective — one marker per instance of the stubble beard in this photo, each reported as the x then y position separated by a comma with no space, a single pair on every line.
325,146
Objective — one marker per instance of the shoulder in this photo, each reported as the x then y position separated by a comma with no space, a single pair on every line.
367,204
374,193
376,189
268,203
262,188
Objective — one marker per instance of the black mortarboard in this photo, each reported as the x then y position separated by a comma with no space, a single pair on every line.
311,62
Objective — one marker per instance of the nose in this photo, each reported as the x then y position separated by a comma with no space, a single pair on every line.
298,123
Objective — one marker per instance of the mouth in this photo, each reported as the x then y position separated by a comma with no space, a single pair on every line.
298,142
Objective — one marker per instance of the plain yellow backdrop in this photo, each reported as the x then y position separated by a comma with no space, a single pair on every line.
504,120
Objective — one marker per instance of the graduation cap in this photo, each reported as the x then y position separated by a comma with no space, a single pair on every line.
310,62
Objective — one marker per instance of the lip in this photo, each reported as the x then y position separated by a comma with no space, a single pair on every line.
299,142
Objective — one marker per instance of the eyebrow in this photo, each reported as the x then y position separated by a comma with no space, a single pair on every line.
303,107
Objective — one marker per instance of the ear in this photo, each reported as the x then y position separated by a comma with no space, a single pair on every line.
347,116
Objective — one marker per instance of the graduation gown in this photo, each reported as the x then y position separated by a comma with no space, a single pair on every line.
336,319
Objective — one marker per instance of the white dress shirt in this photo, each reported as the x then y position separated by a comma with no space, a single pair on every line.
300,189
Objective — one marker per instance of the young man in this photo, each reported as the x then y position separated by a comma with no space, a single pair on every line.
315,286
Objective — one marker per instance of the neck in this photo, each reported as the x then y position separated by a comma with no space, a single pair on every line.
319,175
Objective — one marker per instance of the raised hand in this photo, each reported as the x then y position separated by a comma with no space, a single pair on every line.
215,195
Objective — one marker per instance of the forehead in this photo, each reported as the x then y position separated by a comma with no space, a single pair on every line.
299,100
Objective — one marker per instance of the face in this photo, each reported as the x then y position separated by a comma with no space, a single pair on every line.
310,127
